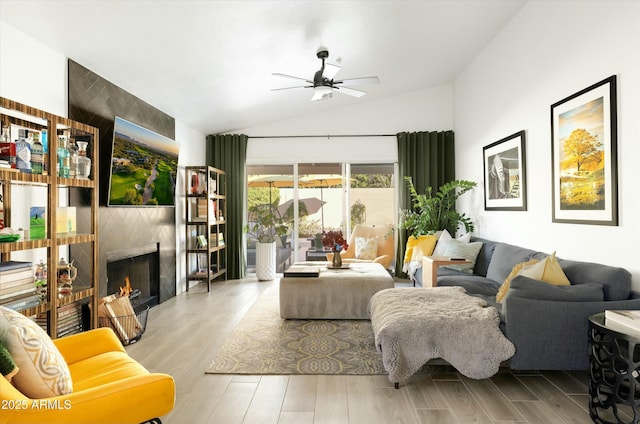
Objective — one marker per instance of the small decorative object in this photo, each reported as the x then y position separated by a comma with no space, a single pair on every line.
337,257
67,273
194,183
63,157
584,156
37,154
73,158
23,155
38,222
505,175
41,280
84,163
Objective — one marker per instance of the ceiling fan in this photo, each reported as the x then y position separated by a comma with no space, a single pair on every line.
323,83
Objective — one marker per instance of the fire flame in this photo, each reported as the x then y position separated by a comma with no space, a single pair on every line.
126,290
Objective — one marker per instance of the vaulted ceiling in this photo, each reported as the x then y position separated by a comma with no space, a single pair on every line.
210,63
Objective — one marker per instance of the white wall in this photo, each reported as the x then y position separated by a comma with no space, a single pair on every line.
33,74
424,110
549,51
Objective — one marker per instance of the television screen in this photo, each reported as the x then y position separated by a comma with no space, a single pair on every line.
144,166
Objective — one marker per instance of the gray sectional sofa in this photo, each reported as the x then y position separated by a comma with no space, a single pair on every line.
547,324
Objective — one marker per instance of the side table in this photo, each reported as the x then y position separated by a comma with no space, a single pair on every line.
614,379
430,266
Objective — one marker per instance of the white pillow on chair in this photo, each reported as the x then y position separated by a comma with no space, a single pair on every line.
366,248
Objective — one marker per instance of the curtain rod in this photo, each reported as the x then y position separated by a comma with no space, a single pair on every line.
322,136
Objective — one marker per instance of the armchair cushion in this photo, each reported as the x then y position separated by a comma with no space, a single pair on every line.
366,248
43,371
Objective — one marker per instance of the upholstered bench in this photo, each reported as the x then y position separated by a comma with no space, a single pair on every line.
334,294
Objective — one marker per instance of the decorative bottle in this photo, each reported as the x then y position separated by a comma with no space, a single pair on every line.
84,163
37,155
73,158
63,157
23,155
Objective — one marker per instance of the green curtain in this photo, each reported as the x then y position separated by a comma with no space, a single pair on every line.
228,152
428,157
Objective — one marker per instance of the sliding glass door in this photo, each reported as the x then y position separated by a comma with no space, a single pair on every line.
315,198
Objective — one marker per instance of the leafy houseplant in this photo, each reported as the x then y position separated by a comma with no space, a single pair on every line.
435,212
265,223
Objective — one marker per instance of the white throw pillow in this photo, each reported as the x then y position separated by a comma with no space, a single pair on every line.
468,251
43,371
366,248
445,237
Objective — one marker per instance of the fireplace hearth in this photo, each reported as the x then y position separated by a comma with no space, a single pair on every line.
141,266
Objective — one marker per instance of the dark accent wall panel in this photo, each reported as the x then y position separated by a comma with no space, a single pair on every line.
96,101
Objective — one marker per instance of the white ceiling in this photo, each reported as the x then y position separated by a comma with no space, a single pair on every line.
209,63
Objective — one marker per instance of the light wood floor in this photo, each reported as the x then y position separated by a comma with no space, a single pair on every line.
184,333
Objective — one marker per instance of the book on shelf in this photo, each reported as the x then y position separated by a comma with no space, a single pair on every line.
623,319
7,267
15,292
17,275
201,241
23,303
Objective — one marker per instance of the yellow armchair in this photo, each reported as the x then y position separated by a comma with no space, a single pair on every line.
386,245
108,387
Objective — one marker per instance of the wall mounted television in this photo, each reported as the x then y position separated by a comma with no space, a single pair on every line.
144,167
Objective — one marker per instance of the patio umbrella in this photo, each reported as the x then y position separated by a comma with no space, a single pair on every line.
322,181
311,204
279,181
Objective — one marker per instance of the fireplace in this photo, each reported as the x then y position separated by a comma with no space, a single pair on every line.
141,265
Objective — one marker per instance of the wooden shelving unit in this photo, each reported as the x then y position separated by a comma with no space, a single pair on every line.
18,115
206,229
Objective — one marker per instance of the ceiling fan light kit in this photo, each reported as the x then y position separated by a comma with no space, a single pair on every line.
323,83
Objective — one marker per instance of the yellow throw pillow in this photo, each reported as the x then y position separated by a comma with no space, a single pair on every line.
504,288
417,248
43,371
366,248
547,270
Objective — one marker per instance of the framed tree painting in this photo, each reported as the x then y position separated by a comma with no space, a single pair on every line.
505,187
584,156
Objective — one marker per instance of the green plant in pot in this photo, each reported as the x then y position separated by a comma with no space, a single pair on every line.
265,225
433,212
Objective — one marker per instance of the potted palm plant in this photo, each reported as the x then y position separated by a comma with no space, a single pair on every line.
435,212
265,226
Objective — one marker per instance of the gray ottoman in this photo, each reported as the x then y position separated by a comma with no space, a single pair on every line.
334,294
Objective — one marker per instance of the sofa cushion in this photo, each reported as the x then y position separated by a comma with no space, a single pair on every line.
547,270
506,256
616,281
515,271
484,256
443,241
534,289
43,371
473,284
468,251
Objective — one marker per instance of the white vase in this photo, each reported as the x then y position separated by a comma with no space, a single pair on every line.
266,261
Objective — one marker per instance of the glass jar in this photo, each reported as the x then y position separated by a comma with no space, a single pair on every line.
73,158
84,163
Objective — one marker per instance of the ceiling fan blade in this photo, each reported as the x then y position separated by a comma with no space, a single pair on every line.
288,88
350,91
330,71
277,74
359,81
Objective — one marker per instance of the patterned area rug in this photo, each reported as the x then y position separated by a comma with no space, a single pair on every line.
263,343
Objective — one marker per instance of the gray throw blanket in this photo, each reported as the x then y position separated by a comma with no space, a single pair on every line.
412,326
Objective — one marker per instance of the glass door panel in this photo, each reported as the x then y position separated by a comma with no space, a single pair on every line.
271,186
371,195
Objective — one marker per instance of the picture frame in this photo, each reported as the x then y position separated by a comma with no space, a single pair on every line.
505,182
584,158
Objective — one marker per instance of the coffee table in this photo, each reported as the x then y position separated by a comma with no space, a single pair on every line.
334,294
